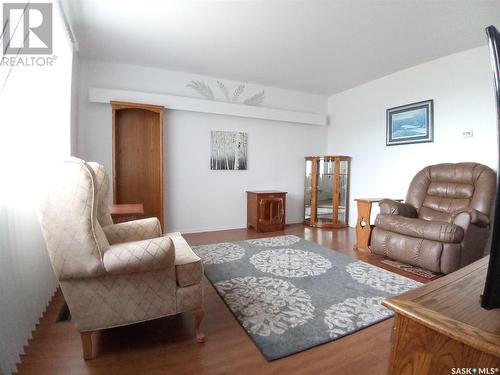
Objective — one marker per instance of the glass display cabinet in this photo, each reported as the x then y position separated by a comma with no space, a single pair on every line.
326,193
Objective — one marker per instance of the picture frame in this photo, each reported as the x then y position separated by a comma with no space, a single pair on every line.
228,150
410,123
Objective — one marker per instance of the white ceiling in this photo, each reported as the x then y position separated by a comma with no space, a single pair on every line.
316,46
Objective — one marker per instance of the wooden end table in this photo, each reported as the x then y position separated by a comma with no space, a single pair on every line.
266,210
363,226
126,212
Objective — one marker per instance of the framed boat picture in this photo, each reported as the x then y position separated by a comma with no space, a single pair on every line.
410,123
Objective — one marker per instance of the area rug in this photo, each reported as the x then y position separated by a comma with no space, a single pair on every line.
290,294
412,269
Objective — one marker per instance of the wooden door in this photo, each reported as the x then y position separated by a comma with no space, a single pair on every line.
138,156
271,211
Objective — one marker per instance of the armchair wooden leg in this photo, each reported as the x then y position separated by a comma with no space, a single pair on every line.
198,317
87,344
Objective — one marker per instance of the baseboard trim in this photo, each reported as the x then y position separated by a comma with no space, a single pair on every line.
214,229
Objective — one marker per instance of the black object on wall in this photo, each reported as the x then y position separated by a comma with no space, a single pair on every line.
491,295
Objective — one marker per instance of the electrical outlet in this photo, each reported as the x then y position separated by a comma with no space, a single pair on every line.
467,133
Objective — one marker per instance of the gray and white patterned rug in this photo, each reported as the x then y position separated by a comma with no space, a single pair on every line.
290,294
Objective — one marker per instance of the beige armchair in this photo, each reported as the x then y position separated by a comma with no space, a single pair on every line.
114,274
444,223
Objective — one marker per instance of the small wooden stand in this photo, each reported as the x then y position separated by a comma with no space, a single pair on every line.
126,212
266,210
363,226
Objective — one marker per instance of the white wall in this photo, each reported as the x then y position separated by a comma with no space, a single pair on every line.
197,199
462,88
74,104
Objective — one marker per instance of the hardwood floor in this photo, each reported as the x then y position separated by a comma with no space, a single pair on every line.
168,345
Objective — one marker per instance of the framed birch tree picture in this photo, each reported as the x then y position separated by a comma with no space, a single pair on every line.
228,150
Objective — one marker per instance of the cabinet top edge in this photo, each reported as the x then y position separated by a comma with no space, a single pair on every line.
328,157
267,192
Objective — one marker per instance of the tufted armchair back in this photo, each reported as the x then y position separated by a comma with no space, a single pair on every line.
102,184
68,218
113,274
439,191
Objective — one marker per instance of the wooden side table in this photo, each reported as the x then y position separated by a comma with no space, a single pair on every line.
126,212
266,210
363,226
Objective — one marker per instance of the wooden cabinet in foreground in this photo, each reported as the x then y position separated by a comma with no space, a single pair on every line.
326,191
441,328
138,156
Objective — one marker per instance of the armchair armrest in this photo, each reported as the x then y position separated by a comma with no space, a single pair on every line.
139,256
471,216
136,230
388,206
422,229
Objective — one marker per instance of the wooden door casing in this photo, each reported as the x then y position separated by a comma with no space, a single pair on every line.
138,157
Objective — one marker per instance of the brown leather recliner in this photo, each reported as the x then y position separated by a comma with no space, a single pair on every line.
444,223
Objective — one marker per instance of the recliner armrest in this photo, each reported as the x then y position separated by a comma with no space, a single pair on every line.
474,216
388,206
140,256
135,230
417,228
